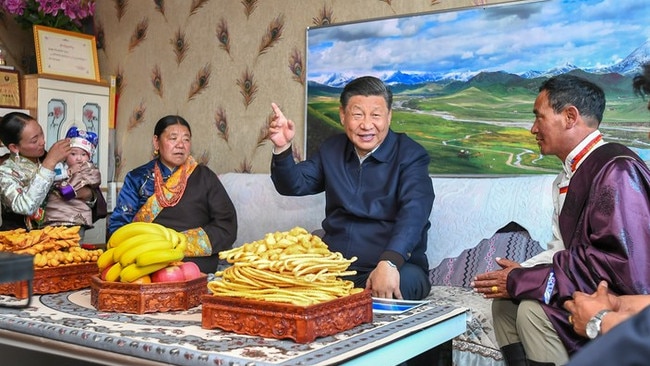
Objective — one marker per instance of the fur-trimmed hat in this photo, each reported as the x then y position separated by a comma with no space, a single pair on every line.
82,139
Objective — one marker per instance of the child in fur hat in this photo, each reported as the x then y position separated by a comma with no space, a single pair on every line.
77,171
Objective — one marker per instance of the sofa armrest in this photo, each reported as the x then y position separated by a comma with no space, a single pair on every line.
514,244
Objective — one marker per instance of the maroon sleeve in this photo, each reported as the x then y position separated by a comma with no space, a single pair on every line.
528,283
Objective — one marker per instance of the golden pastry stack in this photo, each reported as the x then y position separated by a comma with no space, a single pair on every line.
51,246
289,267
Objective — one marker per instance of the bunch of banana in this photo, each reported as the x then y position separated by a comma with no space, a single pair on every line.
140,248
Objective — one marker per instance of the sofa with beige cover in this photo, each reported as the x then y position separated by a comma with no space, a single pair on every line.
473,220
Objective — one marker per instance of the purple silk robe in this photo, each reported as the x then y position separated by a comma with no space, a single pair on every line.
605,225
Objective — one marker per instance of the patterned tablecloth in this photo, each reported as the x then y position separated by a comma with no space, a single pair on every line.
177,337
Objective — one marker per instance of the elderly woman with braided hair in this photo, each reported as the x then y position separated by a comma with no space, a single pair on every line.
177,192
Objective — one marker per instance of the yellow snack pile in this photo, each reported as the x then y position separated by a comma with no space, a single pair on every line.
290,267
51,246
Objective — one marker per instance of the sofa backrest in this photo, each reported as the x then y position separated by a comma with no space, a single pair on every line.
468,210
465,210
261,209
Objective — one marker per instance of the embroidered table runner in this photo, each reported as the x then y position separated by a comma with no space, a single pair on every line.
177,337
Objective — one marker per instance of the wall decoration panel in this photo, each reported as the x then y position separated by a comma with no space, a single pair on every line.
465,80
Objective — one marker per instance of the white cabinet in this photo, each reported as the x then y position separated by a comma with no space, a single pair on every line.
58,104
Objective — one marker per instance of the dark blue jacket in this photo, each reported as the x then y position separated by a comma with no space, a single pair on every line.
379,210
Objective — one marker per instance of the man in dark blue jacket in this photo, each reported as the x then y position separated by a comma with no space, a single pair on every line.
377,187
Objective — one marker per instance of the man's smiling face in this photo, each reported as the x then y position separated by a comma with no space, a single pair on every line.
366,121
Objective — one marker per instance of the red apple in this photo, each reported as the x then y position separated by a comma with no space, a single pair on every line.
102,275
168,274
190,270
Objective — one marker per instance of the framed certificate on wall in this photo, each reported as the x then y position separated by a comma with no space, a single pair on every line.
64,53
9,88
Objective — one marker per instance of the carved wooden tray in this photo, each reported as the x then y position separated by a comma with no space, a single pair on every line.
53,280
303,324
147,298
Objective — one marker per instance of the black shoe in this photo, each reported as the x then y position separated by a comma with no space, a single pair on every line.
535,363
514,355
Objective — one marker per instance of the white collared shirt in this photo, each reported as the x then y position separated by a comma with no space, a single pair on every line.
560,186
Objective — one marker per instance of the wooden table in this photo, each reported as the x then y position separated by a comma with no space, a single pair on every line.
65,324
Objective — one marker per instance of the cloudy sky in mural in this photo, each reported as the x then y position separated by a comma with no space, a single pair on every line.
534,36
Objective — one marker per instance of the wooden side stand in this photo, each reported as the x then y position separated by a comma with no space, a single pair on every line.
51,280
17,268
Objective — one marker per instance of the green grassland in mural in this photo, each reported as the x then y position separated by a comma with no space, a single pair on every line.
482,126
465,81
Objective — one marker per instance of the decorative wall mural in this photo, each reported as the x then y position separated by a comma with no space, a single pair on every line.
100,38
244,167
180,45
325,17
119,161
139,34
120,7
160,6
196,5
221,123
156,80
222,35
247,87
272,35
465,81
204,158
297,66
249,7
200,82
137,116
120,83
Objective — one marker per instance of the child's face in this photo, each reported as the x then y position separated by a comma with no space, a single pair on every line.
77,156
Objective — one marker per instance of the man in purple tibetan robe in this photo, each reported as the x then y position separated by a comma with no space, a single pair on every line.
619,325
603,224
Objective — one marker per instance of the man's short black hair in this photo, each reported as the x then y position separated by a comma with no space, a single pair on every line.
366,86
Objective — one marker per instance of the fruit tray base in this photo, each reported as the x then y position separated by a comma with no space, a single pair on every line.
53,280
303,324
147,298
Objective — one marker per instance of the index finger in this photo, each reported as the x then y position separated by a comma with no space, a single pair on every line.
486,276
277,110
